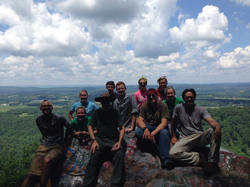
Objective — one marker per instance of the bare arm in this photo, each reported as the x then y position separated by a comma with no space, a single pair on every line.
68,131
131,128
160,127
146,134
216,126
95,144
174,123
70,115
121,136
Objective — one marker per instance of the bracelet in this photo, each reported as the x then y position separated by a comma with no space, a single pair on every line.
144,128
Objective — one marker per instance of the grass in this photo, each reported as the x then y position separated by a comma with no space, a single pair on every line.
7,108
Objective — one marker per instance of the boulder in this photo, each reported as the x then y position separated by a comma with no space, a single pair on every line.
144,169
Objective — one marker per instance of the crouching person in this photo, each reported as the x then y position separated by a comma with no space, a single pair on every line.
51,127
106,144
189,116
153,126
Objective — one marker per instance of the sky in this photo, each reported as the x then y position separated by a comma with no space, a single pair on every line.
90,42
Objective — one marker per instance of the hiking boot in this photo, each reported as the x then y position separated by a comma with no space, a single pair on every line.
211,168
202,160
169,165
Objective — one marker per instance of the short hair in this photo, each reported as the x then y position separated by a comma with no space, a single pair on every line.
83,91
144,78
162,78
189,90
119,83
81,107
43,102
110,83
171,88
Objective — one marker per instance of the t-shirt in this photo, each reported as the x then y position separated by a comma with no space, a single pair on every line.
80,126
115,95
127,107
51,129
141,98
190,123
89,106
171,106
107,124
153,116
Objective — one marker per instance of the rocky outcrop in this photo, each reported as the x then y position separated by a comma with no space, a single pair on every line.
144,169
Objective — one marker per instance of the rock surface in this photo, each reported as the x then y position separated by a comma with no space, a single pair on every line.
143,169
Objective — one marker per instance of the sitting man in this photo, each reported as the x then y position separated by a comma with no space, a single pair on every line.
127,107
110,85
106,144
153,126
189,116
51,127
89,106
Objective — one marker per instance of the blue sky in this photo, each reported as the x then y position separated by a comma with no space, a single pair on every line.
84,42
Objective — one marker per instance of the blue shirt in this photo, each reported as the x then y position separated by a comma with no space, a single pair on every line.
89,106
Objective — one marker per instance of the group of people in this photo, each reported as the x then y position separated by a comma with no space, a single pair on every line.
159,119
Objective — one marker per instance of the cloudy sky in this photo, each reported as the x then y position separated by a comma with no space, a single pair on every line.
83,42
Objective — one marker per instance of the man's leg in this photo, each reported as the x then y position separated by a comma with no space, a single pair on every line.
119,174
47,162
31,181
181,150
163,139
93,168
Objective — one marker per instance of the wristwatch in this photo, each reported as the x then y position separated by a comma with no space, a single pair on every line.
144,128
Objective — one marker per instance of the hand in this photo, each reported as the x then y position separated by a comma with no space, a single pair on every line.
217,135
94,146
116,147
174,140
128,130
148,136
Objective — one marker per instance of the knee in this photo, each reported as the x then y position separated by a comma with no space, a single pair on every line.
119,154
139,132
165,133
173,153
47,161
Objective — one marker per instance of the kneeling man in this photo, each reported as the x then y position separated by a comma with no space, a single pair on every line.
153,126
106,144
189,116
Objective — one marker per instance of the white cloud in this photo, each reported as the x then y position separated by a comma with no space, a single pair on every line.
239,58
243,2
248,26
210,25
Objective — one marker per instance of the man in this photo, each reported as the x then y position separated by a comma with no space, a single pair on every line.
51,127
161,91
189,116
110,85
153,126
106,143
127,107
89,106
141,94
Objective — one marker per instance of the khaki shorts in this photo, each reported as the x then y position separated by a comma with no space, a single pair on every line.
54,152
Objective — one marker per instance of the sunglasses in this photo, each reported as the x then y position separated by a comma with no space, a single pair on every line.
151,95
142,83
189,97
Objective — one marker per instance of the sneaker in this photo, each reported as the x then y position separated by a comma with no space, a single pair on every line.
169,165
202,160
211,168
